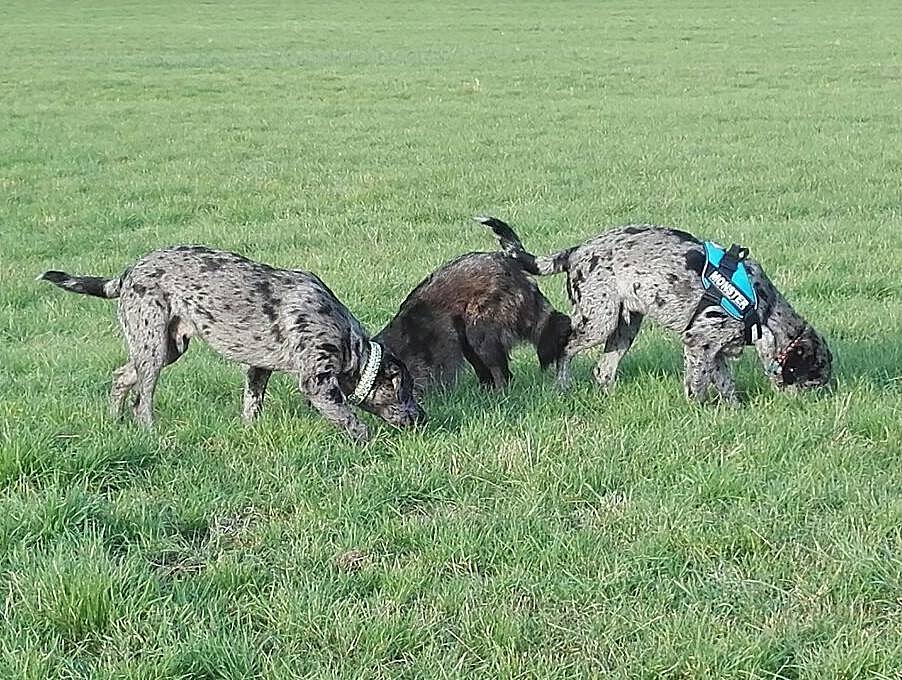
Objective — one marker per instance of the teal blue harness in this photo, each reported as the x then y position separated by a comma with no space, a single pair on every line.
728,286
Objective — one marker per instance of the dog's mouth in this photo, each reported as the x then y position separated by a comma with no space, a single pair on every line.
405,417
789,381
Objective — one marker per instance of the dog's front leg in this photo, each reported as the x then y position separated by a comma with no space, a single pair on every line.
254,391
722,379
698,369
326,396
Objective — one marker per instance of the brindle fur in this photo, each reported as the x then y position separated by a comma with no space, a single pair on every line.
474,309
266,318
618,278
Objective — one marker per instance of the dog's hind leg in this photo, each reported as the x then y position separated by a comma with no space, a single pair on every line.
254,391
483,372
617,345
124,379
587,332
485,340
144,320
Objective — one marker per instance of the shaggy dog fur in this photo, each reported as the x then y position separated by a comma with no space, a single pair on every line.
474,309
618,278
268,319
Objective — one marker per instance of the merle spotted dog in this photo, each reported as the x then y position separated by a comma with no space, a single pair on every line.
473,310
266,318
619,277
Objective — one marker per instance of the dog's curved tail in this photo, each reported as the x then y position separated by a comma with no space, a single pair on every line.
86,285
545,265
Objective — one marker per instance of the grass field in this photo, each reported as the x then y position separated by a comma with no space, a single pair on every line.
532,535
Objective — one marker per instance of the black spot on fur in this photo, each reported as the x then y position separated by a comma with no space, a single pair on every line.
211,264
683,236
325,309
695,261
139,289
573,286
659,301
329,349
634,230
593,263
269,311
195,249
264,289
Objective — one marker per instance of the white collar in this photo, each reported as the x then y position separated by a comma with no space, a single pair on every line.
368,374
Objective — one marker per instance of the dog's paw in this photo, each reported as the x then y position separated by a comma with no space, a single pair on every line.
605,376
359,432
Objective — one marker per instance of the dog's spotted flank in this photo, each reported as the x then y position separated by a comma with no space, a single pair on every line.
618,278
266,318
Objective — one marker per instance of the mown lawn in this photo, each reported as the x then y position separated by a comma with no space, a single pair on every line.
522,535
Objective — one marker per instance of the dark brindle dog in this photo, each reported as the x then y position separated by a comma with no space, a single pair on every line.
474,309
269,319
617,278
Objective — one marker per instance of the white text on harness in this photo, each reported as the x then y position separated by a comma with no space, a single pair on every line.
729,290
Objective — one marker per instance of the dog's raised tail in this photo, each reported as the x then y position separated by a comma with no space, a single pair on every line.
86,285
513,246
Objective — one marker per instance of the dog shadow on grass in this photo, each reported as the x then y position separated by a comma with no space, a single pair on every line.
531,392
877,363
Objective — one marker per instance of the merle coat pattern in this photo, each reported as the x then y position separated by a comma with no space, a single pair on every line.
473,310
266,318
618,278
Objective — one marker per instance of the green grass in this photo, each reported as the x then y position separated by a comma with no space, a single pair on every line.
531,535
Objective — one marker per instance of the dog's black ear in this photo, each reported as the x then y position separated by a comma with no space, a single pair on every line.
798,363
553,339
808,364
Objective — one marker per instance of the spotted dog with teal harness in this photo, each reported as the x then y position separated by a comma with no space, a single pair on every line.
718,300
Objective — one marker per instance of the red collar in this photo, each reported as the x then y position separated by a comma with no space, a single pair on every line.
776,366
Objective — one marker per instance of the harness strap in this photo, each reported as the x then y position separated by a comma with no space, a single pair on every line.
729,263
775,369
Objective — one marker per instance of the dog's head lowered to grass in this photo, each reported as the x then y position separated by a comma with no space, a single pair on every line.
392,397
805,363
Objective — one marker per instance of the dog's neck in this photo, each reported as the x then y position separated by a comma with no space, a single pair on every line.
783,327
352,372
